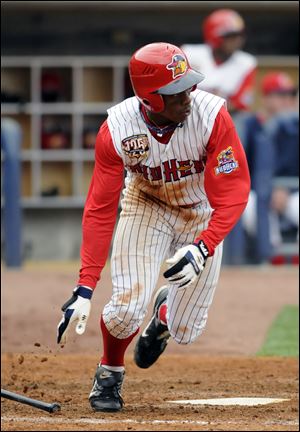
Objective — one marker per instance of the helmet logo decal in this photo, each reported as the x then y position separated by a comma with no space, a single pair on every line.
178,65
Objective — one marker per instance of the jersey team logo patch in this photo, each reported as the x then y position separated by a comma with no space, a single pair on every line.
226,162
178,65
136,146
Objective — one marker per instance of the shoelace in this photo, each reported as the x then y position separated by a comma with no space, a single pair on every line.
108,392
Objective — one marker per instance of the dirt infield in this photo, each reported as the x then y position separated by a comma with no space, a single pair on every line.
220,364
67,379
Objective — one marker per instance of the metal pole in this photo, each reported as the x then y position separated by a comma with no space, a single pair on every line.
11,139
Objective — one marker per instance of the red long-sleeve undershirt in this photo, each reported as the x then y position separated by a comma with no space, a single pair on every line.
227,195
100,211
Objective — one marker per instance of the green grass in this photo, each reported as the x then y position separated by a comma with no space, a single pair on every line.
283,336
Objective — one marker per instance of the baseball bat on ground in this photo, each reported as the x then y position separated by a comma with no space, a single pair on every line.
53,407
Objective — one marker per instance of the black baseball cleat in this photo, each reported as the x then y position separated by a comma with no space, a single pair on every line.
154,339
106,391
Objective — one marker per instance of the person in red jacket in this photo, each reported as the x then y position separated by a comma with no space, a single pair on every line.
186,186
230,72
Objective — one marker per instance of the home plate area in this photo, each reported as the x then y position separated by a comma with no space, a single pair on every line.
250,401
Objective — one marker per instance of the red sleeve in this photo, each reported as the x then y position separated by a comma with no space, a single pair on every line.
226,180
243,97
100,211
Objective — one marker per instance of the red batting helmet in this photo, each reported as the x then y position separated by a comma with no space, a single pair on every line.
160,69
221,23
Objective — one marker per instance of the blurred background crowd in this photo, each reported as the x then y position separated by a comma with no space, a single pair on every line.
65,63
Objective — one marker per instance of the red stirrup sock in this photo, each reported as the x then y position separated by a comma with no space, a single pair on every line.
113,348
162,314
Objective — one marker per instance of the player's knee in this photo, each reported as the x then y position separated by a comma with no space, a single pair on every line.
185,335
120,328
122,320
121,323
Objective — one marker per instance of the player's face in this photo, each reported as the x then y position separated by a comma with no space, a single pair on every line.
275,103
177,106
232,43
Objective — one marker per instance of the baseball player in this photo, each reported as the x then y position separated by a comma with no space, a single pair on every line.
187,184
229,72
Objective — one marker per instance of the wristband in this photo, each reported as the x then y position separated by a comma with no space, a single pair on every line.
83,292
203,249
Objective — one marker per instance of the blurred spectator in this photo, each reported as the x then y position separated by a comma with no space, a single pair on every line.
89,137
56,132
271,141
51,87
229,72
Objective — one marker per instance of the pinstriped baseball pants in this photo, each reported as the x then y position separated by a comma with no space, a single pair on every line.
147,234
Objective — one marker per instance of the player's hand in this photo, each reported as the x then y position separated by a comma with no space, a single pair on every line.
77,308
187,264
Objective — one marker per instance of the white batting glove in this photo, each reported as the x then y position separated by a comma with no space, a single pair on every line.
77,308
187,264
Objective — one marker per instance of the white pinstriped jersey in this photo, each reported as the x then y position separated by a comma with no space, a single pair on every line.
172,173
